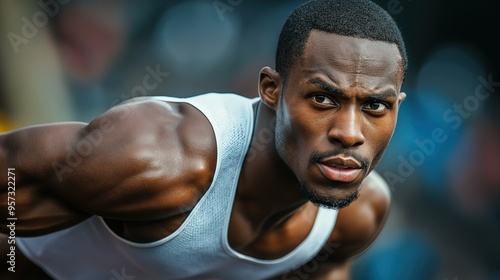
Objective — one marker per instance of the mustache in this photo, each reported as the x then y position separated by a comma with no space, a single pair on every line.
317,157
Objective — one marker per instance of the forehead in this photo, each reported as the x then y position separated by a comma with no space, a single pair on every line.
352,60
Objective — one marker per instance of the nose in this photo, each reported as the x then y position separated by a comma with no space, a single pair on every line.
346,128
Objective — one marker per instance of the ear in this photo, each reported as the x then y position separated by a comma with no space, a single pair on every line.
401,97
270,86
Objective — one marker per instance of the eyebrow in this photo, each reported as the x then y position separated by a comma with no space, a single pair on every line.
325,86
336,91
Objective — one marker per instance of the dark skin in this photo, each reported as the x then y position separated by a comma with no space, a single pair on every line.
155,159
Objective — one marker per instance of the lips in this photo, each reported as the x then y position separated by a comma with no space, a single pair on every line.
340,169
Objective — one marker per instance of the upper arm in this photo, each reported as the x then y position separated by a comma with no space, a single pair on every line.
357,226
136,162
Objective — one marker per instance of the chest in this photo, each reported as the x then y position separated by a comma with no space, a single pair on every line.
271,239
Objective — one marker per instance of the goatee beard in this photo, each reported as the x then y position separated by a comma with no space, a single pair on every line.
327,202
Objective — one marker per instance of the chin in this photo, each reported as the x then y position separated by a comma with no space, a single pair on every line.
332,198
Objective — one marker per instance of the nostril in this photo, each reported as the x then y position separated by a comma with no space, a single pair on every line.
346,140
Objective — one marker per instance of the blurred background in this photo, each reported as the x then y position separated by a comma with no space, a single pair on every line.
71,60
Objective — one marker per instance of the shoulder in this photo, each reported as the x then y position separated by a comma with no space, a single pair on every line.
163,157
359,224
165,127
165,122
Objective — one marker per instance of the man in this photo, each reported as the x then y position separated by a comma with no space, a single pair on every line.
219,186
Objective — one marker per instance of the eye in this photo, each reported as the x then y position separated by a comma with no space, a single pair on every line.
376,106
322,99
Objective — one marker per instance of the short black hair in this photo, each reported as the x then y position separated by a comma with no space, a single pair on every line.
353,18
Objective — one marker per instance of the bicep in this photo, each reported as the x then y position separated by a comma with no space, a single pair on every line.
109,167
359,224
117,163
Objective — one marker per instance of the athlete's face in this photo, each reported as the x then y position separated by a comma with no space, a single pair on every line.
336,113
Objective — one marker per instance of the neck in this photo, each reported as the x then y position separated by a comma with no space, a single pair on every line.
267,190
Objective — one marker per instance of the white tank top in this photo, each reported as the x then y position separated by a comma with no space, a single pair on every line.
199,248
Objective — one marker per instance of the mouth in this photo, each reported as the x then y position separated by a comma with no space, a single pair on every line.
340,169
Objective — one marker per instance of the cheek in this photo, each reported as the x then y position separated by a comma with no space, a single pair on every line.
379,136
380,129
305,129
293,137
